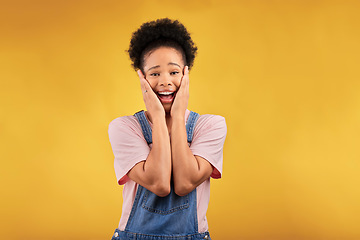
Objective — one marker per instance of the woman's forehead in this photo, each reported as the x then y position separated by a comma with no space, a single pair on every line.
163,56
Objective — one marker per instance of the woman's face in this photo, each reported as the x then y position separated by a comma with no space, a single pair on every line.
163,69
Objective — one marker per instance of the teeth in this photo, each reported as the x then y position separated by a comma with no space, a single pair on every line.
165,93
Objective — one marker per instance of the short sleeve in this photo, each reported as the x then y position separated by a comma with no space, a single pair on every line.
208,141
128,144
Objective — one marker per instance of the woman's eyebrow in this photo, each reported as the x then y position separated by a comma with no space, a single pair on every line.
157,66
171,63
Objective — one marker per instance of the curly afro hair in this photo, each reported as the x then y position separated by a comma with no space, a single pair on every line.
159,33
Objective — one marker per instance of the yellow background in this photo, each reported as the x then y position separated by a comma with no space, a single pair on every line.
284,74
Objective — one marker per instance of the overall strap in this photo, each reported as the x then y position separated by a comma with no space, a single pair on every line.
146,129
190,125
145,126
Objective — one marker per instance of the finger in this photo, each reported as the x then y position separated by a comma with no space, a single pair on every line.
187,75
182,81
145,86
186,72
141,77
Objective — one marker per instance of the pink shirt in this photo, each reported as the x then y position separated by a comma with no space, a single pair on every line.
129,147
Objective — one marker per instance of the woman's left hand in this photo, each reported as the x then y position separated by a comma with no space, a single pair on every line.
181,100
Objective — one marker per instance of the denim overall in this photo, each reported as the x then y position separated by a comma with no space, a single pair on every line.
162,218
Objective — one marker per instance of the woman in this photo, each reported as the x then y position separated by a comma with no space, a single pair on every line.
166,155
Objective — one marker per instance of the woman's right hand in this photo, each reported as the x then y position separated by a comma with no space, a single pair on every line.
152,102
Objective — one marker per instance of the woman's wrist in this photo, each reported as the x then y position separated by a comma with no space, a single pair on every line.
158,118
178,118
178,114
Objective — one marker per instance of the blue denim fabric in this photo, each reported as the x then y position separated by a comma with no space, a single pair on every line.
145,126
162,218
147,132
190,125
122,235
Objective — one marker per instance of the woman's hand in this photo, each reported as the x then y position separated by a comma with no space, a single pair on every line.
182,96
152,102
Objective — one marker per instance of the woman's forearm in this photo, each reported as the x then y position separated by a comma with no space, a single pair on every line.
158,163
188,173
155,173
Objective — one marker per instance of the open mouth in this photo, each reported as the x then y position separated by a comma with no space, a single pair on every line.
166,97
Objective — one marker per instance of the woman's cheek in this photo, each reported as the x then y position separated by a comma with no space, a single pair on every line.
151,82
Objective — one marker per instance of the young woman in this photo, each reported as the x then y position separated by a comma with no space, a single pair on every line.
166,155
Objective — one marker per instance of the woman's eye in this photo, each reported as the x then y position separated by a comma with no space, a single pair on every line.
174,73
154,74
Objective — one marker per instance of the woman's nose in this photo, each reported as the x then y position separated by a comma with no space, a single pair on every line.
165,81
